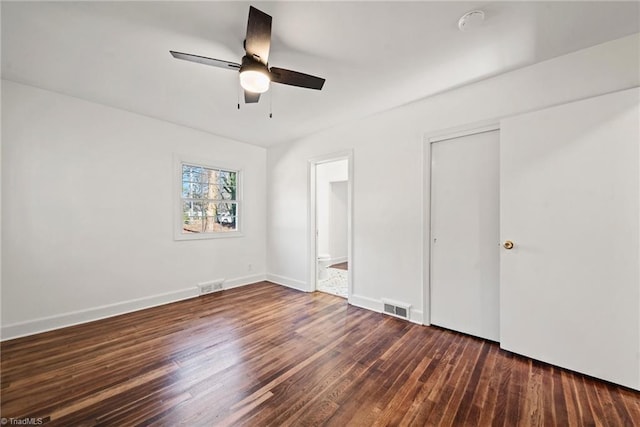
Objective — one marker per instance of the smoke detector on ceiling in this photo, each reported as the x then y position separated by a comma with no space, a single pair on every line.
471,20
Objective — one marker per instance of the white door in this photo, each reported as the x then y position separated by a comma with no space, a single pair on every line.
569,288
465,239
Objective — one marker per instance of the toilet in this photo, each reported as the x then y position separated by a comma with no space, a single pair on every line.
323,262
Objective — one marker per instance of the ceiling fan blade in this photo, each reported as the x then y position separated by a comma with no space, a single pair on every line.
206,61
258,38
294,78
250,97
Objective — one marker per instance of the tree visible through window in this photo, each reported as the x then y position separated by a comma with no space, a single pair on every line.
209,200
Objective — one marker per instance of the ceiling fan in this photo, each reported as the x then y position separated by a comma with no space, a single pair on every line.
255,73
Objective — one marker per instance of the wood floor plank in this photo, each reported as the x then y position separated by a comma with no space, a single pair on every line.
473,385
265,355
484,402
560,412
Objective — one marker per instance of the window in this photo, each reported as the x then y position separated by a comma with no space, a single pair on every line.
209,202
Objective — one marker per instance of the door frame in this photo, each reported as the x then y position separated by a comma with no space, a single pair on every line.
312,226
428,139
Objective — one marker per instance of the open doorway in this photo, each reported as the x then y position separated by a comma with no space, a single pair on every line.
331,222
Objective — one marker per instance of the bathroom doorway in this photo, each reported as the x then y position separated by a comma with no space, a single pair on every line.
331,219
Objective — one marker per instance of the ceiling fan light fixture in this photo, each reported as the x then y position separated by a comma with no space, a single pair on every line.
254,76
254,81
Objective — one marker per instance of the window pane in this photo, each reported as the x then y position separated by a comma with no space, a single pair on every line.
213,192
226,217
225,208
202,190
213,176
228,177
192,214
219,192
228,193
210,224
193,190
192,208
192,225
209,209
193,174
194,180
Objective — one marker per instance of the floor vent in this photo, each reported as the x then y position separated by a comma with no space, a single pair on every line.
209,287
396,309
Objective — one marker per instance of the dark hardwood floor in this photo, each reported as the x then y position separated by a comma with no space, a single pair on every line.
268,355
340,266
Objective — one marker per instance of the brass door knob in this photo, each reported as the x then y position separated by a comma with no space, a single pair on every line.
508,244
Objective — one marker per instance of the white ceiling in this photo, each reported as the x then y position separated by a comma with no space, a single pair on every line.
374,55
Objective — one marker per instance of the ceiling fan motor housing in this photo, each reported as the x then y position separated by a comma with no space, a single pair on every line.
250,63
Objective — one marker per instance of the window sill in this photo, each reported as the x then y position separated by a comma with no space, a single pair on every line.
206,236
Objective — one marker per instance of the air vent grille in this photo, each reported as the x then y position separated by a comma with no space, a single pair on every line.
396,309
211,286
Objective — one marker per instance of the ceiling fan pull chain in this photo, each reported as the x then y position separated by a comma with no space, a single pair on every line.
238,92
271,104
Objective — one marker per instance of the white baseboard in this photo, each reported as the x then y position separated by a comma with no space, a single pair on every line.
244,280
288,282
338,260
366,302
44,324
415,316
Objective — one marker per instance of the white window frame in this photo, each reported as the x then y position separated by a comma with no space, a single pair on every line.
178,232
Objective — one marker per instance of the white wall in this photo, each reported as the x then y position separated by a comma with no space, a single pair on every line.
388,254
326,174
69,255
88,211
338,221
